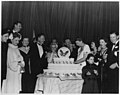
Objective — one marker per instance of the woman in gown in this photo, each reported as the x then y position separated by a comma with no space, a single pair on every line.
26,76
14,64
102,59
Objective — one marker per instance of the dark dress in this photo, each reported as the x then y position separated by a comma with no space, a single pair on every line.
90,81
102,77
26,76
4,48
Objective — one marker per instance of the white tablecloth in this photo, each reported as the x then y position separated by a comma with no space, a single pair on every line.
55,86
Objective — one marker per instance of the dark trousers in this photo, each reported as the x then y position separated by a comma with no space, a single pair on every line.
113,81
33,82
27,83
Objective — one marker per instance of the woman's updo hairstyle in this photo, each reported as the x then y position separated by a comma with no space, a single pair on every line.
15,35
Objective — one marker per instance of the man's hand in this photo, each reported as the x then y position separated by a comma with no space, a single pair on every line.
99,48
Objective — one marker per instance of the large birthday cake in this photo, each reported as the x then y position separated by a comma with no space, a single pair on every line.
63,65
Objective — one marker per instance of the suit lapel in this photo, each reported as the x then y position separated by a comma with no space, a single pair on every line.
37,50
116,45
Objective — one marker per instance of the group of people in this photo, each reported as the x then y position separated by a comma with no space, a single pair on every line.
20,64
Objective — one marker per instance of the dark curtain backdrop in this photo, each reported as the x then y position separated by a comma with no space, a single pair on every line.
89,20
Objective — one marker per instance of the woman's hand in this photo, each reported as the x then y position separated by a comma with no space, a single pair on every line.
95,71
49,57
105,56
99,48
21,63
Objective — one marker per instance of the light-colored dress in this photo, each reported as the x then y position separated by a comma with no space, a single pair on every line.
13,78
86,50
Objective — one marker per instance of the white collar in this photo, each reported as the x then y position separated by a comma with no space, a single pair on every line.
14,31
12,46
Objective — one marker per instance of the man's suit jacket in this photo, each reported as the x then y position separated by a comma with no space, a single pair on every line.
113,55
4,49
37,63
112,74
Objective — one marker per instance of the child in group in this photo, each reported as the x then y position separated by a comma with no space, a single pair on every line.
90,75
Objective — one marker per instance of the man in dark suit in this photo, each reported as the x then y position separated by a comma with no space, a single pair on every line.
38,59
4,48
113,65
17,27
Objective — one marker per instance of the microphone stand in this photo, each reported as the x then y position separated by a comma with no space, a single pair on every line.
101,77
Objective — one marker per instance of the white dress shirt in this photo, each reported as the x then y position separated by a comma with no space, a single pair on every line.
40,49
114,45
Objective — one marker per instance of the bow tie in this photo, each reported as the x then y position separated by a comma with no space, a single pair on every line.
39,44
114,44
